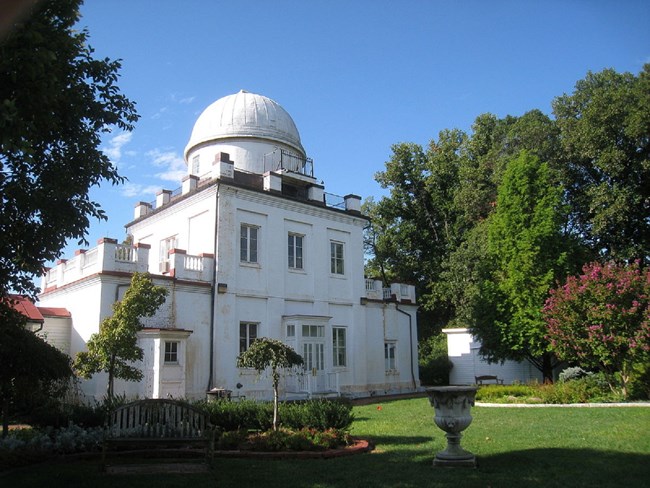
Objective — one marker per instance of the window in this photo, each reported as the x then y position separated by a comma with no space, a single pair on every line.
248,243
295,251
166,245
247,334
196,165
291,330
171,352
313,330
389,356
338,346
313,346
336,258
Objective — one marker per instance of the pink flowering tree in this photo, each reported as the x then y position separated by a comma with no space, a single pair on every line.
601,320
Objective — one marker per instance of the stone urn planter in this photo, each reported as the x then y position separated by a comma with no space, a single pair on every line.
452,406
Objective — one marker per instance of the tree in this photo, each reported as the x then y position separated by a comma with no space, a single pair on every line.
30,366
270,353
601,320
604,126
529,254
114,349
56,101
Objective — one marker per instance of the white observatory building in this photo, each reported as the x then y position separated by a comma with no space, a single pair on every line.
249,246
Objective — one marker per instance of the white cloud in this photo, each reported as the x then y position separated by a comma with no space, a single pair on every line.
171,163
159,113
132,190
182,100
115,145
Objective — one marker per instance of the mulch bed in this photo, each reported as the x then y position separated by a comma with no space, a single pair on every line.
359,446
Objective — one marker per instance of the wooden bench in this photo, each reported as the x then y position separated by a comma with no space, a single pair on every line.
158,424
487,377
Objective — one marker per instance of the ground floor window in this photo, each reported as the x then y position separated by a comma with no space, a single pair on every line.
171,352
247,334
389,356
339,347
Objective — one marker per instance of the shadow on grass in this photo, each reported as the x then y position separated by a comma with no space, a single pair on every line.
410,468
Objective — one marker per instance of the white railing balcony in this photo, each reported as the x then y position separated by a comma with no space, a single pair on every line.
107,256
397,291
189,267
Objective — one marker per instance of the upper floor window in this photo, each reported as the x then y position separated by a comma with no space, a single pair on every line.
196,165
247,334
248,243
166,245
336,258
295,251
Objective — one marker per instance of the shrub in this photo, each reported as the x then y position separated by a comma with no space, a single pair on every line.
317,414
504,393
434,363
284,439
589,388
640,381
251,415
246,414
573,373
30,445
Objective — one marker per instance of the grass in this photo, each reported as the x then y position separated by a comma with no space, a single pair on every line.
548,447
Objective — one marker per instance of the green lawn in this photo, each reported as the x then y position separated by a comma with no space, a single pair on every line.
545,447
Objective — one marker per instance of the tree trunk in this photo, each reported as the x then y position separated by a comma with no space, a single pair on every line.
547,367
5,415
275,401
109,387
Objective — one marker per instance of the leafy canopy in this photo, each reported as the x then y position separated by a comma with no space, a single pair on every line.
56,102
528,253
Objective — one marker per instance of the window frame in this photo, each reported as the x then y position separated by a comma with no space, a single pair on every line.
166,245
337,259
245,339
390,363
196,165
171,354
249,246
295,259
339,350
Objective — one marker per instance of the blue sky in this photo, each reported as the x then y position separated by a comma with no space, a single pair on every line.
356,76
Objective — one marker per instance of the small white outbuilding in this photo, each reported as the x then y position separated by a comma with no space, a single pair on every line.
463,352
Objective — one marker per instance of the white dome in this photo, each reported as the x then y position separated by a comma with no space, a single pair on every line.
245,115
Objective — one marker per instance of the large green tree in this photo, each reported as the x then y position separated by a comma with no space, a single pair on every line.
114,349
56,102
529,255
604,126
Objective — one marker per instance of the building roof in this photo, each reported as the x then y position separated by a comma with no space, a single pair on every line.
25,306
245,115
55,312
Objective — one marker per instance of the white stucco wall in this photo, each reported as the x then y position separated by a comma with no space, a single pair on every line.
463,351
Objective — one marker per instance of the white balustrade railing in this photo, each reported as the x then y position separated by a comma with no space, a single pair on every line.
193,263
125,253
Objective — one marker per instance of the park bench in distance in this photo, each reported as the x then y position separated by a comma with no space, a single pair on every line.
158,425
487,377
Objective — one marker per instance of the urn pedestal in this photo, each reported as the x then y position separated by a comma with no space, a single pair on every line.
452,406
